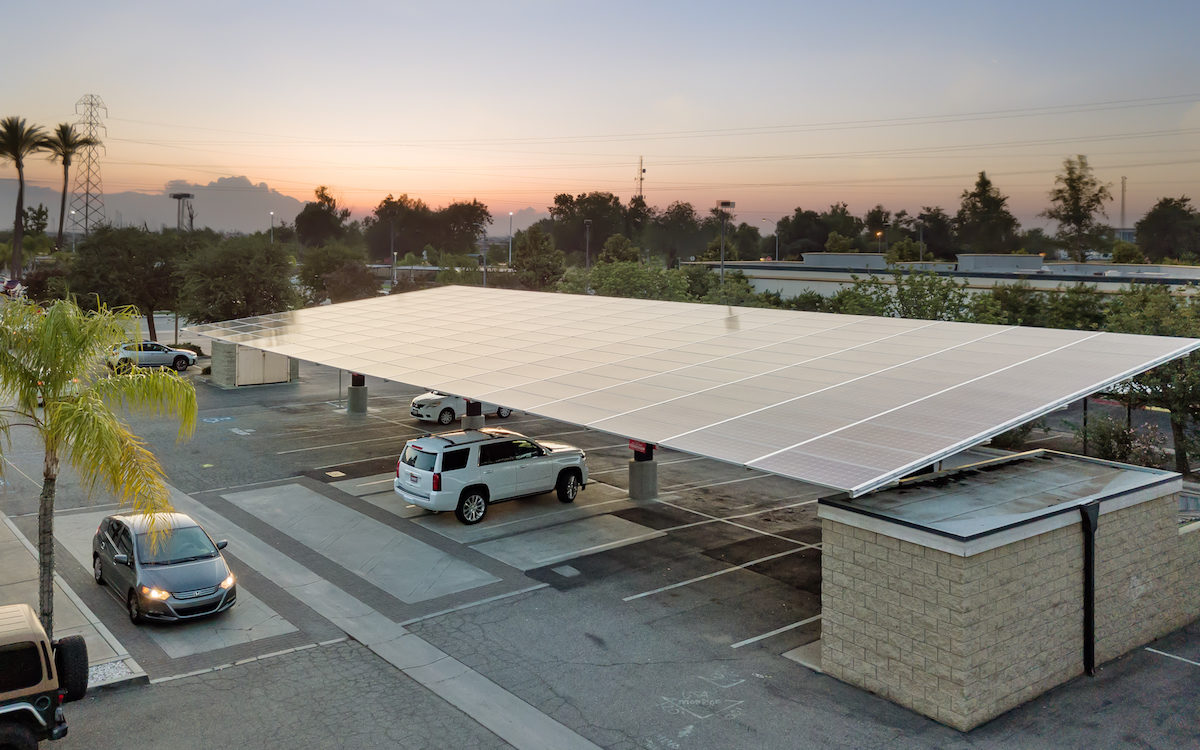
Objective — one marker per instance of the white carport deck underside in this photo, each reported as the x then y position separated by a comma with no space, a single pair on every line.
847,402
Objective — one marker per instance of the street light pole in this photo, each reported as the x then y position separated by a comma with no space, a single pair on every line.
73,231
587,244
272,227
722,205
776,241
879,239
510,239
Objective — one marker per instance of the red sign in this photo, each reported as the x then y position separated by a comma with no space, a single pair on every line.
638,446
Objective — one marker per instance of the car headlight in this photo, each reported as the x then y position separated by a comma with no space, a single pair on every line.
228,582
157,594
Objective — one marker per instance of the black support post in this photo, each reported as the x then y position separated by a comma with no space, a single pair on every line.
1090,519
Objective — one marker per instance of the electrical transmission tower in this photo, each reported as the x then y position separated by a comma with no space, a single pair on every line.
87,198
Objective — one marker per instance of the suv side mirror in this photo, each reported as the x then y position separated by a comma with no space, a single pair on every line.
121,559
223,544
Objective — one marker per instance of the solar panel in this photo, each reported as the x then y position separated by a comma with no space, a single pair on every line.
847,402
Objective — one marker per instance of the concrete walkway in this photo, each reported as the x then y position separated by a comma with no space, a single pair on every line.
110,663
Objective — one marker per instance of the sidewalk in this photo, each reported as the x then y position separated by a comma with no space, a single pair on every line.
110,664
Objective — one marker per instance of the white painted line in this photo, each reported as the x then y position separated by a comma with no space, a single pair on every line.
776,631
741,515
469,605
1173,656
731,523
683,487
660,463
717,573
337,445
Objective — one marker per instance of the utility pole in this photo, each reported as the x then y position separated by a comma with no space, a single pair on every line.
722,206
587,244
1122,204
510,239
641,176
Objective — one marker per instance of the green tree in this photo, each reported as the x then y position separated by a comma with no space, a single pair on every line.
1035,242
63,144
983,223
865,297
323,260
839,219
539,265
637,280
904,251
1020,304
35,219
238,277
877,219
50,355
802,232
836,243
321,221
1175,386
927,296
676,232
936,229
1127,252
1079,307
1076,200
618,249
461,224
1170,229
129,266
18,141
568,214
350,281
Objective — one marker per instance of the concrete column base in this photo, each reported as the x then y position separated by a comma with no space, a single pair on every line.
643,480
356,401
472,422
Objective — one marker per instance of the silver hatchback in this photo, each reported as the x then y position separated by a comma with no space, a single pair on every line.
182,577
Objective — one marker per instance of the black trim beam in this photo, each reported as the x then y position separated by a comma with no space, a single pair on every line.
1090,520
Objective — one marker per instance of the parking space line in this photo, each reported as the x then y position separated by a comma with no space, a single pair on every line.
337,445
469,605
731,523
697,579
717,519
1173,656
715,484
776,631
249,660
660,463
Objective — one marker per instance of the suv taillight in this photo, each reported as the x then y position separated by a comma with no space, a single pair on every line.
437,482
397,468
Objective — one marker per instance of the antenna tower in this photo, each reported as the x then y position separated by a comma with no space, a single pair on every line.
87,198
641,176
1122,203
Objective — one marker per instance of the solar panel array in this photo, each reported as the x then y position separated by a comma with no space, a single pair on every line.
847,402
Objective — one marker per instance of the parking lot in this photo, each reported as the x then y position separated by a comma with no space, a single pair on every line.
672,623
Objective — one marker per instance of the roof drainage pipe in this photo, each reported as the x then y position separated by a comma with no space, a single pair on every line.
1090,519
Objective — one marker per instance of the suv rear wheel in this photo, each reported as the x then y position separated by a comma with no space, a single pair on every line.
471,506
71,663
568,486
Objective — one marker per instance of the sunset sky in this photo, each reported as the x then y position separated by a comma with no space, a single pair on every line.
771,104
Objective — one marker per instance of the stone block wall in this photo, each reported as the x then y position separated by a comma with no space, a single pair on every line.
963,639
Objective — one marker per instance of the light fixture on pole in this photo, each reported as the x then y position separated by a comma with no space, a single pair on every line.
776,241
510,239
587,244
272,227
393,269
73,232
722,205
879,238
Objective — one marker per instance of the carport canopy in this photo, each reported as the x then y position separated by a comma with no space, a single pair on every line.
843,401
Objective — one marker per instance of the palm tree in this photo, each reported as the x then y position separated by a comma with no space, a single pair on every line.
52,356
18,140
63,144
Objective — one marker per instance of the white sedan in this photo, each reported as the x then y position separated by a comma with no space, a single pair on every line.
444,409
150,354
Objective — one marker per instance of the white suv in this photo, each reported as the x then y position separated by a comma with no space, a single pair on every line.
444,409
467,470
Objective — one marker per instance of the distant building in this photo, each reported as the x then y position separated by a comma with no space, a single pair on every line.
826,273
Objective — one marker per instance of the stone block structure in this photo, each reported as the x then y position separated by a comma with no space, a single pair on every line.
962,595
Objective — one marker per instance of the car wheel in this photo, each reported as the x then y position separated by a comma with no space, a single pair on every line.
123,366
17,736
97,569
446,416
71,663
568,486
181,363
135,609
471,507
503,413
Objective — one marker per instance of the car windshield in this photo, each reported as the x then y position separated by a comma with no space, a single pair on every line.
418,459
180,545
